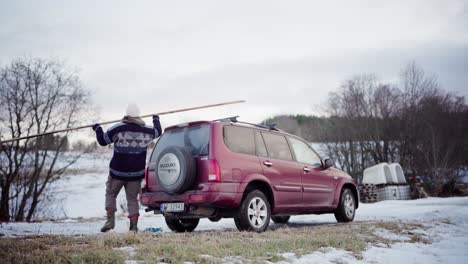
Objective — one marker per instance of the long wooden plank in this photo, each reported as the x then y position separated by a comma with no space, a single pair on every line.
118,120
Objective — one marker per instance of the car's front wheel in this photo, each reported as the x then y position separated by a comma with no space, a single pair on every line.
347,206
182,225
254,213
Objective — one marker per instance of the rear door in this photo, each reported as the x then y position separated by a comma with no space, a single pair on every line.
280,168
194,138
317,183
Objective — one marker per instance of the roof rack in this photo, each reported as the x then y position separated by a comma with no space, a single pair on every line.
230,119
233,119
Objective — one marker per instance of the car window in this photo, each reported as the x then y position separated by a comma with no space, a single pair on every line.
304,152
194,138
277,146
260,145
239,139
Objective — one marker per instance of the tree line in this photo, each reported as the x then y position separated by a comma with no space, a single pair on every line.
415,123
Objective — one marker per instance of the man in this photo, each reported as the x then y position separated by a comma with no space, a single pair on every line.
127,167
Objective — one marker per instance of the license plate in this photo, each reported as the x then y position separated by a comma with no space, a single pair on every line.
172,207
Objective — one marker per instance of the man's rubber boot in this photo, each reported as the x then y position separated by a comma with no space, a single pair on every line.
134,223
110,223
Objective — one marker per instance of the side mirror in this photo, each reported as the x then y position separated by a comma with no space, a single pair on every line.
327,163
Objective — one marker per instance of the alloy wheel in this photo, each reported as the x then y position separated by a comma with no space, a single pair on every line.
257,212
349,205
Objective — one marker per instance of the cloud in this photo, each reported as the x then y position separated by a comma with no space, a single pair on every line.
281,56
275,87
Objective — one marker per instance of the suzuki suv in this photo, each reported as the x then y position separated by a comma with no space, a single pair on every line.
252,173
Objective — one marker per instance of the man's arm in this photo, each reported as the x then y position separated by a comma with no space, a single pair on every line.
102,138
157,126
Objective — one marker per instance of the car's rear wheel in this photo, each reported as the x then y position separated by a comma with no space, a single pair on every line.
254,213
280,219
182,225
347,207
215,218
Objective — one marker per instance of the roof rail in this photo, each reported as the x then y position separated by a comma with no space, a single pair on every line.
269,127
233,119
274,127
230,119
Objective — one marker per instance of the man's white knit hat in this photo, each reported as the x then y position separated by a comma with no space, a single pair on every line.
133,110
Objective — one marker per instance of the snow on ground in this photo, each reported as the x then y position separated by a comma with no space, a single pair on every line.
447,219
82,195
82,198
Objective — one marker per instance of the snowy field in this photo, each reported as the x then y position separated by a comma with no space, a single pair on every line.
445,221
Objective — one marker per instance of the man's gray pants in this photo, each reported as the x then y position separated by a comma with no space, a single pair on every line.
132,189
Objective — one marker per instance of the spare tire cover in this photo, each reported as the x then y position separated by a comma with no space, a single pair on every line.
175,169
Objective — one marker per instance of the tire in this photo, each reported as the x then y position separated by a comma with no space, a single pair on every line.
175,170
347,207
215,218
258,220
182,225
237,223
280,219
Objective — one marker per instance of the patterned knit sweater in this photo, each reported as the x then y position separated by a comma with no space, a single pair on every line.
131,138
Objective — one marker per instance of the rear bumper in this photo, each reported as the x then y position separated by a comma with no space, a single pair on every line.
218,195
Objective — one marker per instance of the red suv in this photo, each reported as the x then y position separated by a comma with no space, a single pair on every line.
230,169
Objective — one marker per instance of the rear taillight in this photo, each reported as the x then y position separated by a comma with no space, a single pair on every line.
144,182
214,174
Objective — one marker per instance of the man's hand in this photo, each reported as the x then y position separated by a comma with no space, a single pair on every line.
96,126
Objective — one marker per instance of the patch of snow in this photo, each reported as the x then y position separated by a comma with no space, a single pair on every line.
82,195
329,255
68,221
132,261
233,260
386,234
288,255
447,219
130,250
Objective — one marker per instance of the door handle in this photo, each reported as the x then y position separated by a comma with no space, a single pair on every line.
267,163
306,169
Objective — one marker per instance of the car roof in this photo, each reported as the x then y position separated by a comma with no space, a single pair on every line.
237,123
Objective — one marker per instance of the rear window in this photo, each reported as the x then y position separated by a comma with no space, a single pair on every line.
239,139
194,138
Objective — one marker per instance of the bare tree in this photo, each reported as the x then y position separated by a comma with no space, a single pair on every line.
361,117
416,123
36,96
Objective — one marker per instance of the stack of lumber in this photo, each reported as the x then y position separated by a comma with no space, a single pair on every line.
368,193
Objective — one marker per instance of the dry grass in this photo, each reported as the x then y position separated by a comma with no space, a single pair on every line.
201,247
58,249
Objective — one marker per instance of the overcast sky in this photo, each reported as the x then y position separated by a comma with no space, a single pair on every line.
280,56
